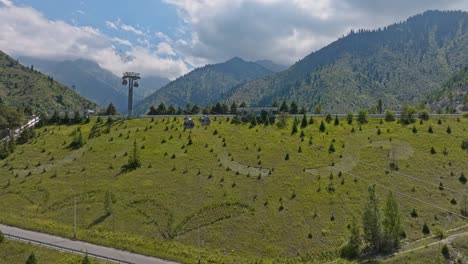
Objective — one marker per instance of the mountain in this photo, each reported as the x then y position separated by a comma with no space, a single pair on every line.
94,82
403,62
22,86
268,64
453,94
205,85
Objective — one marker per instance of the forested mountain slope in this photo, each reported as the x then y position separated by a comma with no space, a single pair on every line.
23,87
205,85
403,62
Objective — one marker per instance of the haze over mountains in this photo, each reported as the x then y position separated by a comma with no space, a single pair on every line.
94,82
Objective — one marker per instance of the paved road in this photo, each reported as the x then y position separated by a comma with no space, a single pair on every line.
123,256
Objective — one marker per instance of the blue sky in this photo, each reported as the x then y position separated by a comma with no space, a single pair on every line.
168,38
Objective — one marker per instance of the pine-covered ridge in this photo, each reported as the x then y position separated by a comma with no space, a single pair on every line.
206,85
24,87
401,63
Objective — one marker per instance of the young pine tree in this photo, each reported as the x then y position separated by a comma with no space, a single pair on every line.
108,203
304,121
322,127
31,259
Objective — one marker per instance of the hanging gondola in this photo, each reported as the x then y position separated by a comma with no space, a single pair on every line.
124,82
189,124
135,84
205,120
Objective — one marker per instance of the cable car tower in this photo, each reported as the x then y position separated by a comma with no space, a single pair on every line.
130,78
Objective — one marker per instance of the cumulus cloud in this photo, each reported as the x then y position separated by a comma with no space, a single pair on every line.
26,32
284,30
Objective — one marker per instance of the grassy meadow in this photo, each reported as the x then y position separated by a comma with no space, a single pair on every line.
229,193
14,252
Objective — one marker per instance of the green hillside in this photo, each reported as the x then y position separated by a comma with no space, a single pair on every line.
21,86
206,85
227,192
14,252
401,63
453,95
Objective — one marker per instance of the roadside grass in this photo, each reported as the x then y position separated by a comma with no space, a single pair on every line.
14,252
230,196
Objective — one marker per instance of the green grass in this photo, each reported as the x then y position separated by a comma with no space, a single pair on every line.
283,215
14,252
461,244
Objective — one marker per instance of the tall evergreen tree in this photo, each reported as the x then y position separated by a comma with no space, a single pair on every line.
372,221
294,109
110,110
391,223
284,107
233,110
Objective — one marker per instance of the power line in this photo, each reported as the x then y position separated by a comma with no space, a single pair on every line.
409,196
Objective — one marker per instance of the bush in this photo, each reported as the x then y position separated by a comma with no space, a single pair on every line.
445,252
425,229
462,178
2,237
362,117
424,115
389,115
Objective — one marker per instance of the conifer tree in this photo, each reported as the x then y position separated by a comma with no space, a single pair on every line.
391,223
351,249
304,121
337,121
322,127
110,110
31,259
372,221
349,118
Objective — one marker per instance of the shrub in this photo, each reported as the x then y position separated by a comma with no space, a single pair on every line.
425,229
414,214
445,252
331,149
430,130
287,157
2,237
424,115
464,144
462,178
433,151
389,115
449,130
362,116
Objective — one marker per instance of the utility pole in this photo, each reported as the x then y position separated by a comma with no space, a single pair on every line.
130,78
74,218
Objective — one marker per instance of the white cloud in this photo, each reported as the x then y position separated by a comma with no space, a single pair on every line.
283,30
7,3
131,29
122,42
26,32
81,12
111,25
164,48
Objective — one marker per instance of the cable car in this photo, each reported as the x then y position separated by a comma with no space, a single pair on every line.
135,84
188,123
205,120
124,82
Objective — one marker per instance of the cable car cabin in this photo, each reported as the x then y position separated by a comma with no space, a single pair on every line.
188,123
205,120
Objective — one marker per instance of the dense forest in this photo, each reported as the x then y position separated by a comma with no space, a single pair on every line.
401,63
